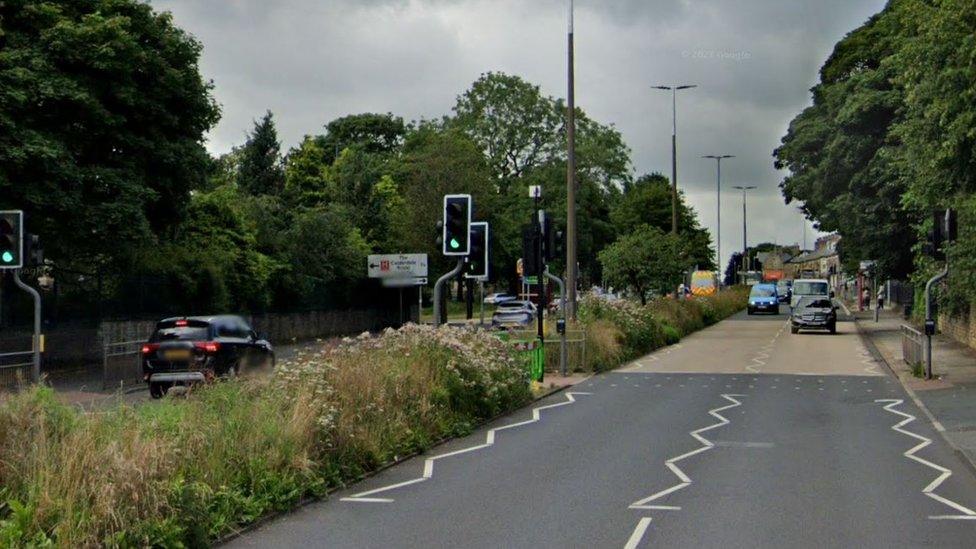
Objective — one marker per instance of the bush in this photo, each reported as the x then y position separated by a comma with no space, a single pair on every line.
185,471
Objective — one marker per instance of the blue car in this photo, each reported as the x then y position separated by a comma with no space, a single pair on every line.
764,298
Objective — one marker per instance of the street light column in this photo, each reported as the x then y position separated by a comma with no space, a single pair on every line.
674,149
718,208
745,242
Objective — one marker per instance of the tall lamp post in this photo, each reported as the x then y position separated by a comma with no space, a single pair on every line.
571,267
745,243
674,149
718,207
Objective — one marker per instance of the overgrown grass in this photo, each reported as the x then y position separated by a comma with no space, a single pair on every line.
620,331
187,470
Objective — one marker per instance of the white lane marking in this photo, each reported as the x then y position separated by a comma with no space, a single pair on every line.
735,444
684,479
428,473
638,534
763,354
967,513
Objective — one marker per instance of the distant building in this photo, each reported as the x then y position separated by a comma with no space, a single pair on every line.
822,262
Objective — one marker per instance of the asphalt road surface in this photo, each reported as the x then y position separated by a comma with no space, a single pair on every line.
743,436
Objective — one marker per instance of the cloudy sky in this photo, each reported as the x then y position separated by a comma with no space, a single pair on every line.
310,61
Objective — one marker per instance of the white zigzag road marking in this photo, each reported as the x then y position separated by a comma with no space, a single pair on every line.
363,497
671,463
764,353
967,513
643,523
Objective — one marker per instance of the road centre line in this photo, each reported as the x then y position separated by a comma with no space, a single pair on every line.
967,513
685,480
428,473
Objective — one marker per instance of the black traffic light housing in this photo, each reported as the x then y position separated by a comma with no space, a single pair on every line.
530,250
457,225
478,263
11,239
33,251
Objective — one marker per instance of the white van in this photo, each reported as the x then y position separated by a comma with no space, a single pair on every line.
810,287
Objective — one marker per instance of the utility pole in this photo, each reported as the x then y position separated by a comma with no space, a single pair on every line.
571,236
674,149
718,206
745,242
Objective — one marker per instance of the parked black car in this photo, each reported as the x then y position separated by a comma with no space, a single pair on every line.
190,350
818,313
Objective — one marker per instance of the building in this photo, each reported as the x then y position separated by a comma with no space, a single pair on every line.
822,262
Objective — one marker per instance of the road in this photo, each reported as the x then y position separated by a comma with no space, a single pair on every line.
744,435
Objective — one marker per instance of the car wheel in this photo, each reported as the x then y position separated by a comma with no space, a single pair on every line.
794,330
157,390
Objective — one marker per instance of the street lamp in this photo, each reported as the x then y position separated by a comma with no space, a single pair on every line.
745,248
571,237
674,149
718,207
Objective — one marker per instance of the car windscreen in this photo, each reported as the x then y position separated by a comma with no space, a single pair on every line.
810,288
512,306
814,303
191,332
762,291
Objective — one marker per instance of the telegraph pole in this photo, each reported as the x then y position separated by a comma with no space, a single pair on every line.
571,236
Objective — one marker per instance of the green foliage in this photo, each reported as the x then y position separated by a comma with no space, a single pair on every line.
646,260
185,471
371,133
102,125
260,171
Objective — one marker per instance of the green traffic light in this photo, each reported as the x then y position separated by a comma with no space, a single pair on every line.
455,244
8,257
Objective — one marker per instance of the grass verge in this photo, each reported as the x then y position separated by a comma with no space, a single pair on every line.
186,471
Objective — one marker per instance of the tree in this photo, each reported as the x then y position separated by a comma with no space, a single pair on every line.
101,130
372,133
732,269
260,170
647,201
643,261
842,153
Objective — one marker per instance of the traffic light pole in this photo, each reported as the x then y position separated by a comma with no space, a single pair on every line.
439,291
929,321
562,306
36,366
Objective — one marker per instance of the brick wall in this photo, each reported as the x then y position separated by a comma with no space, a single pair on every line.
960,328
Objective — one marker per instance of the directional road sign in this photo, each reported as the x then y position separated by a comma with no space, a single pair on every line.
397,266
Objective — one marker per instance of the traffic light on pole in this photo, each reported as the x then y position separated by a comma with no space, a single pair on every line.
478,259
530,251
457,225
11,239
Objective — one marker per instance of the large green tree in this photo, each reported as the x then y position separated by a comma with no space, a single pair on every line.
102,117
842,154
644,261
260,170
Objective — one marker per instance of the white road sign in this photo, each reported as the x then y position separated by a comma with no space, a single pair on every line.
397,266
404,282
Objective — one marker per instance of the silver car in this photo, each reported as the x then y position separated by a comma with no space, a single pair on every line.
514,314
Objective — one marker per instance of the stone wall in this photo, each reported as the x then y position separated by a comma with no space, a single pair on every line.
960,328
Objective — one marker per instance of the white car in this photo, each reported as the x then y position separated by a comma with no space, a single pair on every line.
810,287
495,299
514,314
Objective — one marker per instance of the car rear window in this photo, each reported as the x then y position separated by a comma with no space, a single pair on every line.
193,331
810,288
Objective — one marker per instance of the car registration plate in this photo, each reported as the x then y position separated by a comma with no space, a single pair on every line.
177,354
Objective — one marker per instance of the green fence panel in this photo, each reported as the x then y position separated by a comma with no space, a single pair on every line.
533,353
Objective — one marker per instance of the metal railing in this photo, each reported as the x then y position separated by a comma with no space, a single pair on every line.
121,363
15,367
912,347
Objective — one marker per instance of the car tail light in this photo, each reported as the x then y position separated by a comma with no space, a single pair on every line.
181,323
209,347
149,348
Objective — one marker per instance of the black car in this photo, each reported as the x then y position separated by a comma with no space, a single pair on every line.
190,350
817,313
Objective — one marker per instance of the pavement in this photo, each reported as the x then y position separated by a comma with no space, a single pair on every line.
744,435
949,399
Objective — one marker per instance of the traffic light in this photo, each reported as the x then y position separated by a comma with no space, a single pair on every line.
478,259
530,250
33,251
11,239
554,240
457,224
